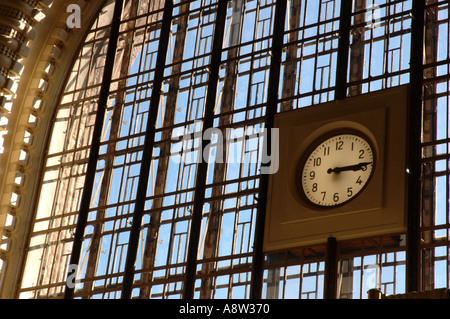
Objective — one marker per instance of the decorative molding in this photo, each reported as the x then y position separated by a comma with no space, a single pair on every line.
36,53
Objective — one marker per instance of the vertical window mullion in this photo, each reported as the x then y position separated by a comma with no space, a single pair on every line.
148,150
96,139
414,180
208,122
343,49
271,109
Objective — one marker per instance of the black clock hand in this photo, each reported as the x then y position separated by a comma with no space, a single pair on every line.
356,167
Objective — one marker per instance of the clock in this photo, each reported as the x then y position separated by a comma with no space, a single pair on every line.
342,173
336,168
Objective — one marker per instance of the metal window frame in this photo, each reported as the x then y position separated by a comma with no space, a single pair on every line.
343,84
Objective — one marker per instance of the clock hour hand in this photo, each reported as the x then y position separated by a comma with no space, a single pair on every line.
356,167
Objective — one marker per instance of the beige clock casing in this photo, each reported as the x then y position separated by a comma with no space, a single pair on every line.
291,221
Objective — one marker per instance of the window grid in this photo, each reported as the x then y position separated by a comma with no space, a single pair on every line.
380,27
435,223
309,53
169,203
63,178
379,56
295,274
372,263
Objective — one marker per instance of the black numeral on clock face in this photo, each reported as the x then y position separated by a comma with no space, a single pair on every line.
349,192
359,181
317,161
336,197
339,145
361,154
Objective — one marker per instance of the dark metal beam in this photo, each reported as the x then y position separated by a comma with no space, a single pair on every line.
162,170
210,241
148,151
114,131
208,122
343,49
340,93
271,109
356,56
96,139
414,165
429,127
330,284
330,269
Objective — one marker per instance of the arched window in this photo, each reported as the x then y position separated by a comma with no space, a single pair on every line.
152,182
191,100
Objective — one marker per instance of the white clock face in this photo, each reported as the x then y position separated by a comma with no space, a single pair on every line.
337,169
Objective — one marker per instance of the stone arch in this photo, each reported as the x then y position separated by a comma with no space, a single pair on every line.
37,50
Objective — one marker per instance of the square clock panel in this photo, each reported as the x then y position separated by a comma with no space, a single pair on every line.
342,171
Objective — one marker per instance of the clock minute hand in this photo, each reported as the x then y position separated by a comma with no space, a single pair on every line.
356,167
